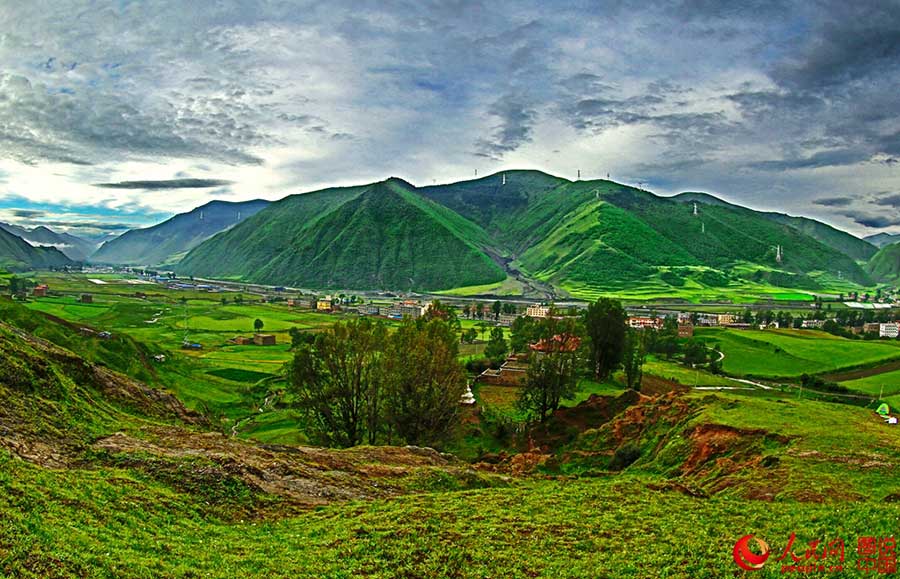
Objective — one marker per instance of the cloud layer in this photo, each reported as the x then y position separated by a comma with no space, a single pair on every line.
787,105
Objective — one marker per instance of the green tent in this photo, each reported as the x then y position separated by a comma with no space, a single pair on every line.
884,409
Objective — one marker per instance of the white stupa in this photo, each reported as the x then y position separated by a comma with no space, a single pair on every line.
467,398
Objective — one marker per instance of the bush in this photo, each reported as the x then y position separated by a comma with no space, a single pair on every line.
477,365
625,456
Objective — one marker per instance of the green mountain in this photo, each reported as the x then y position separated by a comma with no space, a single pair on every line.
885,266
75,248
859,249
16,254
585,237
880,240
167,242
383,235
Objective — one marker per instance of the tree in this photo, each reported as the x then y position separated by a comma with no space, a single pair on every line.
695,353
482,328
336,379
522,332
552,373
604,323
423,382
258,325
497,307
224,300
467,310
633,356
469,336
496,348
666,342
300,337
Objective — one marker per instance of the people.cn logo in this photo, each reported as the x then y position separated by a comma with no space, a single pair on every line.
747,559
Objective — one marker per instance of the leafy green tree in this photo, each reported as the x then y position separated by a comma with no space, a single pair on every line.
482,328
258,325
336,381
666,342
695,353
423,382
633,356
604,322
469,336
300,337
552,372
497,307
523,331
496,348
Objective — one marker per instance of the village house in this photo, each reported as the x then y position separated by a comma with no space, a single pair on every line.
812,324
537,311
370,310
641,322
685,330
264,340
727,319
40,291
558,343
87,298
412,309
507,319
511,373
241,340
871,328
889,330
324,304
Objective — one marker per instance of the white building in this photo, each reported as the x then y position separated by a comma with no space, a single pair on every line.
812,324
536,311
889,330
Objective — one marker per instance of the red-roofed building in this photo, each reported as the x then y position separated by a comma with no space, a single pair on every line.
558,343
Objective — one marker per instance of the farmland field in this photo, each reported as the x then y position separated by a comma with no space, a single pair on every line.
790,353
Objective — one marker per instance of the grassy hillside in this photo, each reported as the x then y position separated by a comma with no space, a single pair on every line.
167,242
885,266
17,254
380,236
722,236
585,237
860,249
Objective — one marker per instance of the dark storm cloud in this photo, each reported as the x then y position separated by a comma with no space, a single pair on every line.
513,130
166,184
876,221
887,199
27,213
834,201
817,160
854,41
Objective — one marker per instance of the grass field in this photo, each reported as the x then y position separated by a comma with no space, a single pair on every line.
790,353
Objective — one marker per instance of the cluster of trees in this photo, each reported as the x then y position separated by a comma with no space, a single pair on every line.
357,383
481,311
18,285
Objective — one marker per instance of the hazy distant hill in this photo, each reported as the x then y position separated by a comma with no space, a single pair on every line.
860,249
885,266
16,254
75,248
167,242
880,240
383,235
583,236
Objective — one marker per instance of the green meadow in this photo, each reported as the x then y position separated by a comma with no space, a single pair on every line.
790,353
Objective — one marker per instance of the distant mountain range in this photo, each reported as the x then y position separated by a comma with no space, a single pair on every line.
581,237
16,254
166,243
880,240
75,248
585,237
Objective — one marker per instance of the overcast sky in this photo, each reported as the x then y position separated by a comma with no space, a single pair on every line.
791,106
